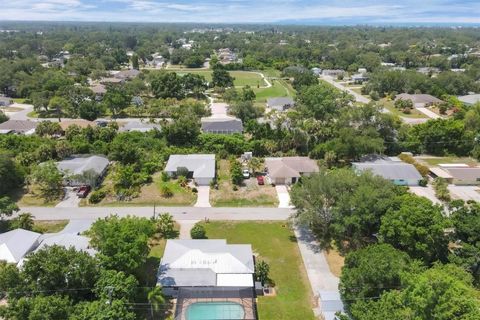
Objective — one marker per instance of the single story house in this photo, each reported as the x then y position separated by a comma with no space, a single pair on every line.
81,170
398,172
470,99
333,73
419,100
457,174
111,80
359,78
201,167
127,74
16,244
222,125
288,170
204,264
26,127
280,103
67,240
5,101
140,126
99,90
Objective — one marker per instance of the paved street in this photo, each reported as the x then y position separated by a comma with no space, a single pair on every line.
179,213
358,97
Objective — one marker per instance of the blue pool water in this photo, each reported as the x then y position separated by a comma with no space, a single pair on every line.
215,311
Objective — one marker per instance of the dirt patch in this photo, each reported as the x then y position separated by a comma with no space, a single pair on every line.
335,261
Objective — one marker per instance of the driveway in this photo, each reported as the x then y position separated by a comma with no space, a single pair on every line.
465,192
20,115
185,227
70,200
429,113
203,197
426,192
283,196
323,282
219,110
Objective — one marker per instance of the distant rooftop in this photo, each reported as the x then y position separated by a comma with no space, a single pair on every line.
470,99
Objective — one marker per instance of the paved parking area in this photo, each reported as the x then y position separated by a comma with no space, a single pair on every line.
203,197
426,192
283,196
465,192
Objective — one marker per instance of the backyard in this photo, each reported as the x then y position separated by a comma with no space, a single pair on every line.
248,195
274,243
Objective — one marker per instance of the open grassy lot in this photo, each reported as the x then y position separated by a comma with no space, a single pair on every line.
150,194
435,161
49,226
30,197
279,88
275,243
390,107
242,78
249,195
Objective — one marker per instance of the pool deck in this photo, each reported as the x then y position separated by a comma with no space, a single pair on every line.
182,305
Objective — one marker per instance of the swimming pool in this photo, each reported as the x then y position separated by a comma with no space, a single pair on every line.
215,310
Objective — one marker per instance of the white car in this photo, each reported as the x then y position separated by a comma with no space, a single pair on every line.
246,173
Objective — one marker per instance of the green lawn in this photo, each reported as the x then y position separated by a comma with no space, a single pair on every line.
49,226
275,243
278,89
242,78
249,195
390,107
30,197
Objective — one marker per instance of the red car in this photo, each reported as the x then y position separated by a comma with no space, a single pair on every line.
83,191
260,180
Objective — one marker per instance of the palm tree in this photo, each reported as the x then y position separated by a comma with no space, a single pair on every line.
155,298
24,221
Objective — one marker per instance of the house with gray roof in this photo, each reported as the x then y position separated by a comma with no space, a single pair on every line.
127,74
419,100
201,167
207,264
5,101
67,240
398,172
288,170
16,244
470,99
83,170
26,127
280,103
222,125
457,174
140,126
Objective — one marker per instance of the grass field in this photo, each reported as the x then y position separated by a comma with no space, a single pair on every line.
250,195
242,78
49,226
279,88
275,243
30,198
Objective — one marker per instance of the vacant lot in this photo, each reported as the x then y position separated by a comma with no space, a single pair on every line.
279,88
249,195
150,194
435,161
275,243
30,197
49,226
242,78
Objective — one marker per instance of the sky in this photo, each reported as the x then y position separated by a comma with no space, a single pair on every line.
343,12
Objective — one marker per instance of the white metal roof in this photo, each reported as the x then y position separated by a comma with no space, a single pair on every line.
67,240
234,280
15,244
79,165
453,165
202,165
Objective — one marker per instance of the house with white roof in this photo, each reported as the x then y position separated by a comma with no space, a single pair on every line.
205,263
94,166
201,167
16,244
67,240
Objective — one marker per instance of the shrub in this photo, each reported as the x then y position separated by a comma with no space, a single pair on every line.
97,196
440,186
165,176
198,232
182,172
261,271
182,181
166,191
194,190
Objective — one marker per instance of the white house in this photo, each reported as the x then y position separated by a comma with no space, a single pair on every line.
201,167
16,244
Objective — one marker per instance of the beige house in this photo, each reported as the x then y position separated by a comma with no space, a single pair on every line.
457,174
288,170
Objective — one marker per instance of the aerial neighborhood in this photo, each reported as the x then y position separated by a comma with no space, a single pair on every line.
196,172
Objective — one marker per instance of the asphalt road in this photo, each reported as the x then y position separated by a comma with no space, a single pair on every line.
178,213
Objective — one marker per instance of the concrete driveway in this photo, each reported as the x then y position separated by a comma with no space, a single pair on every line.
426,192
429,113
465,192
283,196
70,200
219,110
203,197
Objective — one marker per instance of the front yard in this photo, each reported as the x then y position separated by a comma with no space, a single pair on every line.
30,197
248,195
274,243
151,194
391,107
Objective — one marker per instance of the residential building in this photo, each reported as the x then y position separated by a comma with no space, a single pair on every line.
5,101
457,174
428,70
16,244
205,263
67,240
111,80
288,170
26,127
280,103
419,100
333,73
470,99
83,170
140,126
99,90
201,167
359,78
222,125
127,74
398,172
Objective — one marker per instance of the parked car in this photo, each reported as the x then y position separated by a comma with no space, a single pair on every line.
246,173
260,180
83,191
